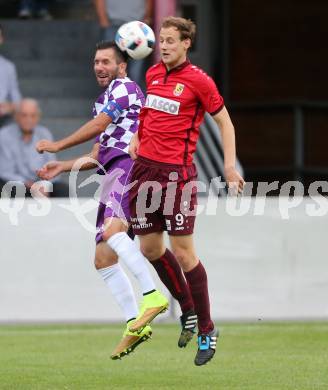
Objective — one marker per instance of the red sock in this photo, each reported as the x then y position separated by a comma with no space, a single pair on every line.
197,281
169,271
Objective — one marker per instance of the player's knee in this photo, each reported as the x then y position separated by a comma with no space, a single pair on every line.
100,262
185,258
103,260
107,234
150,252
104,263
110,231
181,256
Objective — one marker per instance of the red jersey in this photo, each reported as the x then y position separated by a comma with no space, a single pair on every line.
175,107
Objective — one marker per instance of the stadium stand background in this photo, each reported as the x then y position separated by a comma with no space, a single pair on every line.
269,60
54,64
270,67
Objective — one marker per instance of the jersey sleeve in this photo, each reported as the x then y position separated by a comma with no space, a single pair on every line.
149,76
118,101
208,94
142,115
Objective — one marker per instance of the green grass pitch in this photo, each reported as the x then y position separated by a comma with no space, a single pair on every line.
249,357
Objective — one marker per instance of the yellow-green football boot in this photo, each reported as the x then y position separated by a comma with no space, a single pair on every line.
153,304
130,341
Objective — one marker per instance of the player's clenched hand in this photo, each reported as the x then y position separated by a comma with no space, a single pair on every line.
50,170
234,180
134,146
47,146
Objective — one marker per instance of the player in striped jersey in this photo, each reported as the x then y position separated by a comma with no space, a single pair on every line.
115,121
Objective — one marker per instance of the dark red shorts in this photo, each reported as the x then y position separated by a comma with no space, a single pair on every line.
163,198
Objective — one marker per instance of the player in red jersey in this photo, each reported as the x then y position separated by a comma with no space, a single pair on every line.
178,95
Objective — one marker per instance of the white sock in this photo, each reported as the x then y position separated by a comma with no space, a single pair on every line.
128,251
121,288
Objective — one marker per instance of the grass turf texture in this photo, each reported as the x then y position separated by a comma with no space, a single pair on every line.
249,356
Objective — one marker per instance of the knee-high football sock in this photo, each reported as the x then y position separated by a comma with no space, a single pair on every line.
170,273
197,280
120,286
128,251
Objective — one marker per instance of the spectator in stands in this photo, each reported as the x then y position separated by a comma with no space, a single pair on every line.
38,8
18,158
9,90
112,14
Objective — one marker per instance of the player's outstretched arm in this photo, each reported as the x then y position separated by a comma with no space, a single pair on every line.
88,131
134,146
55,168
233,178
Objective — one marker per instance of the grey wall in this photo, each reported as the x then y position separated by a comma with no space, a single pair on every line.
259,267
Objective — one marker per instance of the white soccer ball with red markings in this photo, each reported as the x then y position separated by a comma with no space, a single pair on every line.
136,38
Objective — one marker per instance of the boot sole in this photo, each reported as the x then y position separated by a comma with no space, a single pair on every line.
132,347
148,316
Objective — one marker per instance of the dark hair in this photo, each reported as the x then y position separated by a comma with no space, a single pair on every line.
1,29
121,56
186,27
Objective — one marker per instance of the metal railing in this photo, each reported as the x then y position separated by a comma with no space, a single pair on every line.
209,156
297,108
209,153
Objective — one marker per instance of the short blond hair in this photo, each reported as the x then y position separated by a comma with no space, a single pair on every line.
186,27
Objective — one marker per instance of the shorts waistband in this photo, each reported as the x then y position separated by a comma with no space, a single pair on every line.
154,163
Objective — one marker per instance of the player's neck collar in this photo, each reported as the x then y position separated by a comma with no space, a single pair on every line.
178,67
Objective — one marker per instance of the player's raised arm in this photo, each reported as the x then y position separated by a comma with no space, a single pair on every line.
233,178
86,132
55,168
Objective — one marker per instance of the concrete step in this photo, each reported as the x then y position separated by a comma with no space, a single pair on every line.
87,190
76,151
34,50
72,153
67,107
51,38
62,127
54,68
60,9
59,87
74,9
68,123
35,39
36,30
54,63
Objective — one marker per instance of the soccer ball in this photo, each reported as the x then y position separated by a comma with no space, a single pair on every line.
136,38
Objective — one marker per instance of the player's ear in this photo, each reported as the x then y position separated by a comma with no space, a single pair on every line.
123,67
187,43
